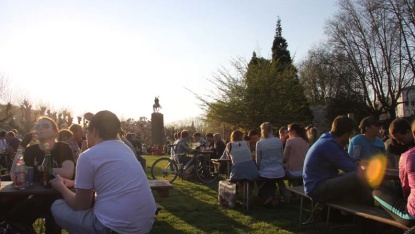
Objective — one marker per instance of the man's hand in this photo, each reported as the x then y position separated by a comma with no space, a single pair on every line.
363,164
58,183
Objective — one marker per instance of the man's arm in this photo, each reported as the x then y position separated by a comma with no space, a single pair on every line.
80,200
339,158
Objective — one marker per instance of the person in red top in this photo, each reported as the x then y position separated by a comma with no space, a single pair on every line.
401,208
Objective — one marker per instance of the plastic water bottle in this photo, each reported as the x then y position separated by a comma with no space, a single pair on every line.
20,171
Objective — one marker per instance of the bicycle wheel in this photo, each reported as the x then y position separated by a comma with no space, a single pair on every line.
205,170
164,169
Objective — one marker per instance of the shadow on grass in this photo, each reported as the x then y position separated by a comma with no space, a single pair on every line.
191,208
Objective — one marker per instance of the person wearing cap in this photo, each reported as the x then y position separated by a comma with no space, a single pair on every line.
368,143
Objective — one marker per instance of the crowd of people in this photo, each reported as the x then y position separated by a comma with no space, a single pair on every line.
90,162
256,156
338,166
329,166
271,159
98,173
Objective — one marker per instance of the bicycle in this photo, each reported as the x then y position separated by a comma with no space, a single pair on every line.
171,168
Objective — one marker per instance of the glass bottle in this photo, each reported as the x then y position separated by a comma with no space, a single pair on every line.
47,167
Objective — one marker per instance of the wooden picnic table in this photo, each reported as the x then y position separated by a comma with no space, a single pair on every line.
392,173
7,189
161,186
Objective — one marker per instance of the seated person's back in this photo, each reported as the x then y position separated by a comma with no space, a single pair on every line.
324,160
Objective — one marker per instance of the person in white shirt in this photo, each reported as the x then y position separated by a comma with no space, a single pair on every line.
124,202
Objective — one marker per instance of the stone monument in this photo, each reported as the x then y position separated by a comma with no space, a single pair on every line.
157,125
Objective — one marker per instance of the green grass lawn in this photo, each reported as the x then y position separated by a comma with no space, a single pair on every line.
192,208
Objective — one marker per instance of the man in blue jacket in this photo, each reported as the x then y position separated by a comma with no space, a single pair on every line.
323,161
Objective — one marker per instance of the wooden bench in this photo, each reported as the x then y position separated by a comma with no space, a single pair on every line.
368,212
299,190
161,186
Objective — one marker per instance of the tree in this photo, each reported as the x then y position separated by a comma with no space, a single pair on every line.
323,74
259,91
367,33
280,53
5,95
141,127
28,120
274,94
404,12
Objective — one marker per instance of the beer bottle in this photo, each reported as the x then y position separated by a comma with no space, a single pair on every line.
47,167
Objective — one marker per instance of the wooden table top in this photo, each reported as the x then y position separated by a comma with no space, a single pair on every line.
8,189
392,173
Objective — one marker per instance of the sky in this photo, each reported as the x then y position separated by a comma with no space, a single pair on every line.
92,55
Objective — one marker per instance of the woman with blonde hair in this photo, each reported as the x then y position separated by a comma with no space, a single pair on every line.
270,167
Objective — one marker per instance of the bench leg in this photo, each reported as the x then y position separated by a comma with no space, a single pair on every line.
163,193
301,211
328,217
245,194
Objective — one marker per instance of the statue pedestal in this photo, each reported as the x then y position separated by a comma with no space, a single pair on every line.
157,129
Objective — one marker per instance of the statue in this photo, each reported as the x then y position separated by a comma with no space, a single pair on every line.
156,106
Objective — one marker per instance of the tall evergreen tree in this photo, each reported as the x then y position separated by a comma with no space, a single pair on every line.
259,90
280,53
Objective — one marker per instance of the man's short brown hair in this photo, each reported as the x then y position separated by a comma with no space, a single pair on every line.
342,125
75,127
399,125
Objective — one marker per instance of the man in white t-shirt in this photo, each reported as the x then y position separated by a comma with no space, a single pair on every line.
124,202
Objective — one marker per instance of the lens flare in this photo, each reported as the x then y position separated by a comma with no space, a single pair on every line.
375,170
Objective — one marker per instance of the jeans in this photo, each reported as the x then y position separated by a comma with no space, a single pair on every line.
268,186
394,204
347,187
82,221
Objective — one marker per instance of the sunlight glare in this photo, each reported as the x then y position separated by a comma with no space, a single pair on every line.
375,170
